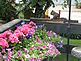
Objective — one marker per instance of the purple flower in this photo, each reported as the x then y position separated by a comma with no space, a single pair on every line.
29,35
3,50
44,47
9,54
46,53
38,40
17,25
19,53
23,22
38,59
59,44
52,49
7,59
31,48
32,31
57,52
32,59
25,50
55,35
49,33
32,23
39,48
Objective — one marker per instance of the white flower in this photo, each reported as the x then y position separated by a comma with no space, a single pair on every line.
27,56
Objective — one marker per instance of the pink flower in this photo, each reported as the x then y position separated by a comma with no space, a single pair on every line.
52,49
19,53
13,38
32,59
25,50
3,43
9,54
31,48
39,48
38,59
6,34
44,47
46,53
32,31
1,35
25,30
29,26
19,28
55,35
4,56
32,23
49,33
57,52
8,59
3,50
18,33
51,46
38,40
25,25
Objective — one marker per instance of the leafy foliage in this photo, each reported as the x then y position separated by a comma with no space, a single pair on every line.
28,8
7,10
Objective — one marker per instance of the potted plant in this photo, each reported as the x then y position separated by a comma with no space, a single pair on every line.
27,43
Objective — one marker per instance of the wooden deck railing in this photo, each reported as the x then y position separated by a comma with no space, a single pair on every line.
56,25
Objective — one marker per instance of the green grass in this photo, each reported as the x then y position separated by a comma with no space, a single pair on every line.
76,42
63,57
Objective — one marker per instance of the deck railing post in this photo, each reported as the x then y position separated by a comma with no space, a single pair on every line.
68,30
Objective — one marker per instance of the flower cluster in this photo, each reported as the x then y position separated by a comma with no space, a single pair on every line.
14,37
26,44
3,43
36,51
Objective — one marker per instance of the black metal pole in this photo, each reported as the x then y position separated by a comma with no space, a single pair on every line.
68,30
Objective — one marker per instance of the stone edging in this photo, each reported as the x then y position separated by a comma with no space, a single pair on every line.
8,25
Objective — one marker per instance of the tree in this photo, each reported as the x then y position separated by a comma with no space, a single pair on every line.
29,8
7,10
39,6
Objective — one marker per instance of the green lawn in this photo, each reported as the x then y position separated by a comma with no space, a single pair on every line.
62,57
76,42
